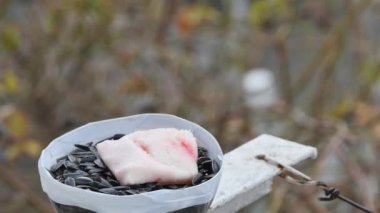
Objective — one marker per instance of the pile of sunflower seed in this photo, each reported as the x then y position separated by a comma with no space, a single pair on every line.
83,168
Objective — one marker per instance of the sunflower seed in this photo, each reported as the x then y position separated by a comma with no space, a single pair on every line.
207,177
215,167
94,151
72,158
89,158
207,165
202,159
80,153
108,173
86,164
105,182
109,191
70,181
98,185
197,179
130,192
203,171
71,165
95,178
172,187
57,166
113,182
61,158
83,181
99,163
95,170
151,186
83,186
82,146
60,179
89,167
116,137
202,151
94,189
75,174
120,187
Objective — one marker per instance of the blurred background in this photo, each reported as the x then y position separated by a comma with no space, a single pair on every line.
307,71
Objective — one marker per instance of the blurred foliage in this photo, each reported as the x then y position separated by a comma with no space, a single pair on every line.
9,83
192,16
17,139
10,38
264,13
66,63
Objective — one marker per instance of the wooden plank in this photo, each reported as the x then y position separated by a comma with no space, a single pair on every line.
246,179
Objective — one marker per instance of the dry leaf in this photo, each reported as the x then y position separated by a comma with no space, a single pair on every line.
342,109
364,113
190,17
376,131
13,151
10,82
135,83
16,123
32,147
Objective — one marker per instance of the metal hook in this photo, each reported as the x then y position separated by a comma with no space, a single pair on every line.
331,194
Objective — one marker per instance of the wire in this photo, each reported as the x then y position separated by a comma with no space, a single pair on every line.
294,176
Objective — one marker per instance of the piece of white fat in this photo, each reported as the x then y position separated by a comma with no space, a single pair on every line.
164,156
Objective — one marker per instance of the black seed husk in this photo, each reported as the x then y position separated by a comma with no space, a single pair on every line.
83,181
72,158
130,192
198,178
95,171
71,165
105,182
215,167
77,173
57,166
70,181
99,163
117,136
88,158
82,146
109,191
202,159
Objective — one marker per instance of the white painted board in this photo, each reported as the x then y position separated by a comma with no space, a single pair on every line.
246,179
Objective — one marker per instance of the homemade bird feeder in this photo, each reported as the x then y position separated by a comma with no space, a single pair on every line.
243,176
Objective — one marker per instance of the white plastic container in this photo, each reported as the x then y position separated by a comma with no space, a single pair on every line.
71,199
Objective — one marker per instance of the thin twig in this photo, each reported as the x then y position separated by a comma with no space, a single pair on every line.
170,8
325,83
310,201
282,55
357,174
277,199
341,134
331,39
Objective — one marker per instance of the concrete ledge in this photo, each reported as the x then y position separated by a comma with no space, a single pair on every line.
246,179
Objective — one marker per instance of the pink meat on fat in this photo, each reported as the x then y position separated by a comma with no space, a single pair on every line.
165,156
